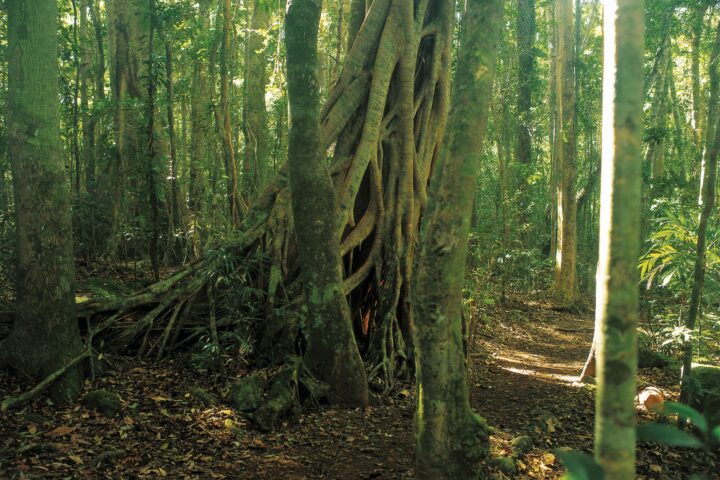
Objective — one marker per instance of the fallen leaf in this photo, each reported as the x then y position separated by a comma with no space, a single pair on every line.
61,431
76,459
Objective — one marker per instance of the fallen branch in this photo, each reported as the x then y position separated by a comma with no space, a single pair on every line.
25,397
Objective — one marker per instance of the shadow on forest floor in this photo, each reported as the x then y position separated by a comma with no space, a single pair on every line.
525,363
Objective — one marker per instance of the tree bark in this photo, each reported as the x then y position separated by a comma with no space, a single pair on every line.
450,438
617,275
256,162
224,119
45,333
526,30
565,283
331,351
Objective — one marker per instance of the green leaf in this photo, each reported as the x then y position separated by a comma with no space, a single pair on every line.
688,413
716,433
667,435
580,466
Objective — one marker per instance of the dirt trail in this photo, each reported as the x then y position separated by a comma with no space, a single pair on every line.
523,381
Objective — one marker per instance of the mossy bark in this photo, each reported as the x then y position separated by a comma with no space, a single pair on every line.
255,128
617,276
45,333
450,437
331,351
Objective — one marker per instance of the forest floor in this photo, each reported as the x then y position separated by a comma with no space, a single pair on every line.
525,361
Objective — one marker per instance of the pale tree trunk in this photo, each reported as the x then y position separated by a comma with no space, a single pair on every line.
331,351
697,30
450,438
44,335
655,155
88,133
552,127
99,96
616,311
706,202
256,161
565,284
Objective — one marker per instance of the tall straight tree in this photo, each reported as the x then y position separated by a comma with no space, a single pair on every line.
450,437
44,336
331,350
526,29
128,68
706,203
224,118
255,165
616,311
565,283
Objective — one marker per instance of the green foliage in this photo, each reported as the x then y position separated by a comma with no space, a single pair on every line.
580,466
666,271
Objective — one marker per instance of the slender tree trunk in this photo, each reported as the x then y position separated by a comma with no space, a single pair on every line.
88,127
225,119
565,283
553,127
99,96
45,333
256,167
77,61
175,206
697,29
200,119
706,203
151,164
129,68
616,311
655,155
526,71
450,438
331,350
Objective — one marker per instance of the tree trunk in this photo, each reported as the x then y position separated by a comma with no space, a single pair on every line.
616,311
565,284
176,220
224,119
450,438
45,333
385,130
706,204
128,68
256,166
151,166
88,124
525,78
331,352
655,156
697,29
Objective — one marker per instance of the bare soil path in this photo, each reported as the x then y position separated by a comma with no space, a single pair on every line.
524,367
